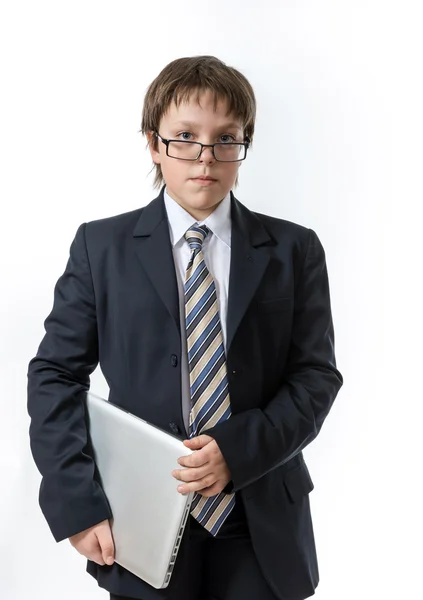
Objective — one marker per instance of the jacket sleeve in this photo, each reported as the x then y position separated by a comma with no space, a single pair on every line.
256,441
58,378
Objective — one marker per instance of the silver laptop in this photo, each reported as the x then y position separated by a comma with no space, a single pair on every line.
135,461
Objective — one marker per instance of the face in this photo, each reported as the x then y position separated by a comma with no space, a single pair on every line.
198,123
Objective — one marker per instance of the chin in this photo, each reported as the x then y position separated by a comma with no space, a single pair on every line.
206,201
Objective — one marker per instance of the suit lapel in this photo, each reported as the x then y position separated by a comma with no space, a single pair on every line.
154,249
248,264
248,260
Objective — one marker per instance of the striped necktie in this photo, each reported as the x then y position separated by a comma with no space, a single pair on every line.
210,402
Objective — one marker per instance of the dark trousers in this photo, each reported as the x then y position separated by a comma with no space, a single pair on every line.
214,568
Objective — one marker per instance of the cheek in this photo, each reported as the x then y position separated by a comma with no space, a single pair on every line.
232,171
171,167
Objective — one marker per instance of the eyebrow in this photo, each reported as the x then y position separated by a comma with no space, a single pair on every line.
192,124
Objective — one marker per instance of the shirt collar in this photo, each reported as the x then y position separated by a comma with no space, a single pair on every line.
219,221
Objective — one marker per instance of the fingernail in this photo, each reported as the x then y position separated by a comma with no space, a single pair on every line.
109,560
180,488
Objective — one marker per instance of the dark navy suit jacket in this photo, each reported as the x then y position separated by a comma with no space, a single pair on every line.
116,305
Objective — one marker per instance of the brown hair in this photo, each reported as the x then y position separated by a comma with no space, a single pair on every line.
180,78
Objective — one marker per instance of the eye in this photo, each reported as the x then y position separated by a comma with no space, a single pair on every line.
225,138
183,133
228,141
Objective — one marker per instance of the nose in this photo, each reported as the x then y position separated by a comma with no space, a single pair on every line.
206,155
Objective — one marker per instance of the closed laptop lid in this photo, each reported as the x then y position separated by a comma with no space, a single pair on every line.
135,461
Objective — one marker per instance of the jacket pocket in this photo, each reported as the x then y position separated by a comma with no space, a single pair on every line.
298,482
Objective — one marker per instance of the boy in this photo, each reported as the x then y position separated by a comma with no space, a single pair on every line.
209,321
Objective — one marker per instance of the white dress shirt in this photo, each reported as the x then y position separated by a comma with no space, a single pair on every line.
217,256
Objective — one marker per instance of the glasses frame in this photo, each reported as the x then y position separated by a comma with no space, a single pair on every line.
166,142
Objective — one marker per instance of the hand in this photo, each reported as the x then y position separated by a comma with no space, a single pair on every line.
208,473
95,543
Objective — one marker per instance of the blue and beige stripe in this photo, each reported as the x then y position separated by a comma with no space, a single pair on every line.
210,401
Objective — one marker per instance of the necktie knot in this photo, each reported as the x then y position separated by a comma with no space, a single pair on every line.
196,235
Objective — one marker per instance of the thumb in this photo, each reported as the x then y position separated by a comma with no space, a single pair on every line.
198,442
105,540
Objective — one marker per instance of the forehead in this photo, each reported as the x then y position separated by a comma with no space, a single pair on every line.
201,111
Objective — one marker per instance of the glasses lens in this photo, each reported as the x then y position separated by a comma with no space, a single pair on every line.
223,152
184,150
229,152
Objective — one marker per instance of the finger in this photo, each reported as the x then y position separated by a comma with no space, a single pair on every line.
96,557
191,474
199,457
105,540
194,486
91,551
198,442
196,459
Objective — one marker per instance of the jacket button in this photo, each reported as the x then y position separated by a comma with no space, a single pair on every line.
174,427
174,360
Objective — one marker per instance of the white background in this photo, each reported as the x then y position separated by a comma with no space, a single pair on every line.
338,148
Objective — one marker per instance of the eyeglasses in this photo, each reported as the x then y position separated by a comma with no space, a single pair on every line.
186,150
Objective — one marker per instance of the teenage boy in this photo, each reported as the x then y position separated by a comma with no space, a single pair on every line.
210,321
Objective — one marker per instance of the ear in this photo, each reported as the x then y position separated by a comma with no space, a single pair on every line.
155,154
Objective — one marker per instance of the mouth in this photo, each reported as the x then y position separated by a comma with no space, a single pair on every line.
204,180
